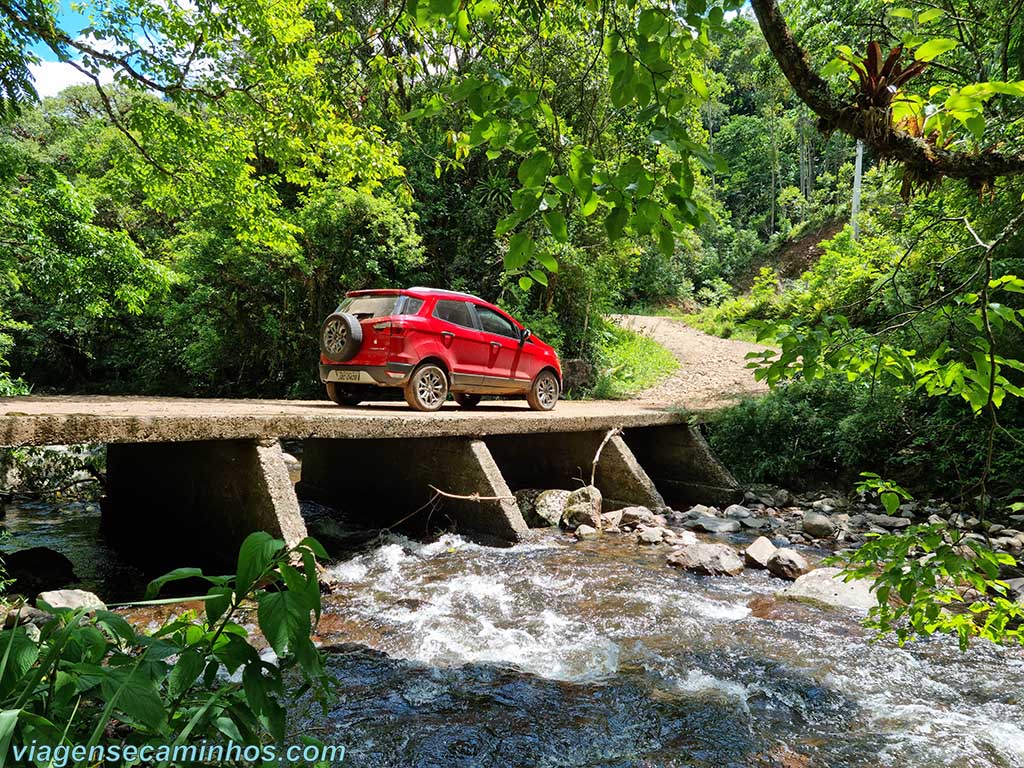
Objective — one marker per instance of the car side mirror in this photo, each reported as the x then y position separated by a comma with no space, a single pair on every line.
524,335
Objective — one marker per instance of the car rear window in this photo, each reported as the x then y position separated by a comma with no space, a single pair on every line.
454,312
370,305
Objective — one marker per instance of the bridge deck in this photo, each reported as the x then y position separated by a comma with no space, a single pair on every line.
94,419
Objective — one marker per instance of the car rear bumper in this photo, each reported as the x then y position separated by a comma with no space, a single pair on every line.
390,375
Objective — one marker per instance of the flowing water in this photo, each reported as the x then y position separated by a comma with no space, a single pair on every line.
560,653
596,653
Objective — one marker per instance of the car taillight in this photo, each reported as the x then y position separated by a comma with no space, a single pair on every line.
394,327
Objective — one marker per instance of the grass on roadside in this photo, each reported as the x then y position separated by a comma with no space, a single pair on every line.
630,364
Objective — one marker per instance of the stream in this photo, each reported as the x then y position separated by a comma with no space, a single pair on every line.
596,653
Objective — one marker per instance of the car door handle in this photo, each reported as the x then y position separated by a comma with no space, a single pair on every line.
496,344
447,335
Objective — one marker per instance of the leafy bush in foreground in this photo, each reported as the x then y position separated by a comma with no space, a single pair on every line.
87,678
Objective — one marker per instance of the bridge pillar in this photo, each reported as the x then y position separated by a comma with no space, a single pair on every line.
565,459
193,503
383,480
682,466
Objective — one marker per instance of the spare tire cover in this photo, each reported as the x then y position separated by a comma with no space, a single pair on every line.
341,335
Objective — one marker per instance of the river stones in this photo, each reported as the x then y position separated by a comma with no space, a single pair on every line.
818,526
826,586
583,507
72,599
887,521
708,558
713,525
548,508
787,564
632,516
737,511
38,569
586,532
650,535
759,552
611,519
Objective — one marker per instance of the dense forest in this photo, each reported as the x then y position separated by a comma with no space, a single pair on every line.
184,228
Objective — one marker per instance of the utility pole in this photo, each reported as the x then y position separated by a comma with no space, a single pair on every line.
858,173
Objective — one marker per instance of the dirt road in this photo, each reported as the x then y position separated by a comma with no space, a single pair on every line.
712,371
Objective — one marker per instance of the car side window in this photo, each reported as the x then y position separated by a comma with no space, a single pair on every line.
492,322
456,312
412,306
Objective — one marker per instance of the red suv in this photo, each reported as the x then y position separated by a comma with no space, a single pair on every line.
432,342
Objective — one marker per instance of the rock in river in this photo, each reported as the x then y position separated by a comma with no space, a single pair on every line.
887,521
713,525
818,526
586,532
759,552
636,516
709,558
787,564
73,599
826,586
583,507
548,507
38,569
650,535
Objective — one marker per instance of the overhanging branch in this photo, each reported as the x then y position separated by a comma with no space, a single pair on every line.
923,161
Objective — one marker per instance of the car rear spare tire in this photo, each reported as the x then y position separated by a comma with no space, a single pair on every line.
341,335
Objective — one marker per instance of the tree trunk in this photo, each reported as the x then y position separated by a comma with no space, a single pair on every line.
858,173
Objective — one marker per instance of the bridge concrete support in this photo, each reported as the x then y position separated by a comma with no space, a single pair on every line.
682,465
382,480
193,503
565,459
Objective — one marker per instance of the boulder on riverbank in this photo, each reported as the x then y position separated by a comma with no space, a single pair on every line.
787,564
542,509
825,586
818,526
72,599
38,569
708,558
759,552
583,507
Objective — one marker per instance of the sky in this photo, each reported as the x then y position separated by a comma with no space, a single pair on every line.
52,76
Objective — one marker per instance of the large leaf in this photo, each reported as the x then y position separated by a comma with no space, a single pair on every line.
555,222
136,696
284,620
178,574
534,169
8,720
185,673
933,48
256,554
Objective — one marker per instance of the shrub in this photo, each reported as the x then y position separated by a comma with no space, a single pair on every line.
84,678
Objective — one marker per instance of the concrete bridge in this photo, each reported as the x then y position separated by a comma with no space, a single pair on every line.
202,474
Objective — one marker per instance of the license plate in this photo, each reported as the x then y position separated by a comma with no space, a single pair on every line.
344,375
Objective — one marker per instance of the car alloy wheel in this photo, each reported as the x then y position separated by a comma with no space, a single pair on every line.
544,392
427,388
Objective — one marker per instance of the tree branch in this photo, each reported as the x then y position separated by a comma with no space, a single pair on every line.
923,162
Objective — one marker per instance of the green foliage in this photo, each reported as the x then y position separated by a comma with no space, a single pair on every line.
196,678
53,472
888,492
630,363
936,579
